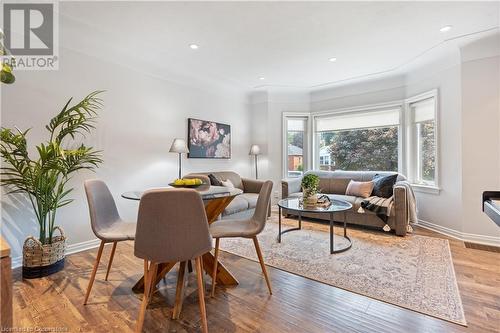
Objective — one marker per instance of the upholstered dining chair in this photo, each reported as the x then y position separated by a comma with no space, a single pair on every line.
106,224
246,228
172,226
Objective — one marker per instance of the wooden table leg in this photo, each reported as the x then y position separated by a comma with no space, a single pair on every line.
163,269
179,292
215,207
223,276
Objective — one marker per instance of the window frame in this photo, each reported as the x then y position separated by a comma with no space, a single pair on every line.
361,109
412,143
307,141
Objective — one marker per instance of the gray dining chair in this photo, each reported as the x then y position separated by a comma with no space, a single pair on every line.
172,226
246,228
106,224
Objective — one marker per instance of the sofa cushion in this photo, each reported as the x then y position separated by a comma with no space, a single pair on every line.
237,205
251,198
224,175
232,176
359,189
383,185
228,183
350,199
215,180
339,185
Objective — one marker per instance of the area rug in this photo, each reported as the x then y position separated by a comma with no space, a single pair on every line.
414,272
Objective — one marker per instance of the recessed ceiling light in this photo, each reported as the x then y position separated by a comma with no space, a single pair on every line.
332,59
262,78
446,28
194,46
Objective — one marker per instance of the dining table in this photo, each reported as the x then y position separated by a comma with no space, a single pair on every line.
216,199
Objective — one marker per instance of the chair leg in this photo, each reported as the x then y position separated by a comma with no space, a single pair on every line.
149,278
201,295
179,292
94,271
110,260
203,276
214,272
262,265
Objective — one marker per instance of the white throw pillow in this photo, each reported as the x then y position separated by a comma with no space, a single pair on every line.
360,189
227,183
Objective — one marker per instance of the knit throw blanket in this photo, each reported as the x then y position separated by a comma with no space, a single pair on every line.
380,206
383,206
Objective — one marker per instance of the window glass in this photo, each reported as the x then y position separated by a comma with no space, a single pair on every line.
295,158
359,141
424,141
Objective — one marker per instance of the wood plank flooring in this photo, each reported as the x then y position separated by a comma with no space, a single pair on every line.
297,304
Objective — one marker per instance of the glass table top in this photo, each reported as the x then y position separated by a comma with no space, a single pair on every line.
297,205
213,192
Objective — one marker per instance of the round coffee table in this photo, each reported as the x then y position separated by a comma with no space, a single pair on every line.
296,205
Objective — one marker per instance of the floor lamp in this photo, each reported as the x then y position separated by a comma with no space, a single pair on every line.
255,151
179,146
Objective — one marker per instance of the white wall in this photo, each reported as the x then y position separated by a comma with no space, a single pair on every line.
267,108
480,130
141,117
435,208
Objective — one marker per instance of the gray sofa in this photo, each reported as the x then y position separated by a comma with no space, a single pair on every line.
334,183
242,206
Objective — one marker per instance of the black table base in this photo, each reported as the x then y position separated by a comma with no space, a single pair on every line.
332,234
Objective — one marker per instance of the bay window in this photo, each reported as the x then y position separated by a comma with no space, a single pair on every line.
400,136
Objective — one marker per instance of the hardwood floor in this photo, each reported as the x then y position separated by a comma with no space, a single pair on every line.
482,247
297,304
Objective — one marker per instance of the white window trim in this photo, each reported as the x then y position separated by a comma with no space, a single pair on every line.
410,146
284,140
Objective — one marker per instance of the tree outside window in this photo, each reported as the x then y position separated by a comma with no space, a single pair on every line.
362,149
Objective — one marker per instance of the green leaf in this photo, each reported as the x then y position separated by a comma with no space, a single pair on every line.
45,179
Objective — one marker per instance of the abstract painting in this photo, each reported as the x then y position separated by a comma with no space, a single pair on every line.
208,139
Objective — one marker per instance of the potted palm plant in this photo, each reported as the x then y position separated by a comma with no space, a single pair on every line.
44,178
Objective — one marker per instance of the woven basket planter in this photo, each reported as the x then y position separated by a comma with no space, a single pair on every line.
43,259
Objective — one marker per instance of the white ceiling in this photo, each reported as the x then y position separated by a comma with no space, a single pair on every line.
288,43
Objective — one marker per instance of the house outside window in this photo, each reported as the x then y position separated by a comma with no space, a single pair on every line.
296,145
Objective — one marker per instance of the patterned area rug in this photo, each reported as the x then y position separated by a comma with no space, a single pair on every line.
414,272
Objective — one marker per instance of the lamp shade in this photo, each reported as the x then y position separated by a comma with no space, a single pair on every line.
179,146
254,150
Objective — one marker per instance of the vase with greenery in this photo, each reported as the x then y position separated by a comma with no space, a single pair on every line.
310,188
44,178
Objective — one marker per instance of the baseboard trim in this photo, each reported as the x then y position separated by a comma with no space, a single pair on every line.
463,236
73,248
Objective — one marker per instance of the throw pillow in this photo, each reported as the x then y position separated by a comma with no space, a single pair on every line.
383,185
359,189
227,183
215,180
